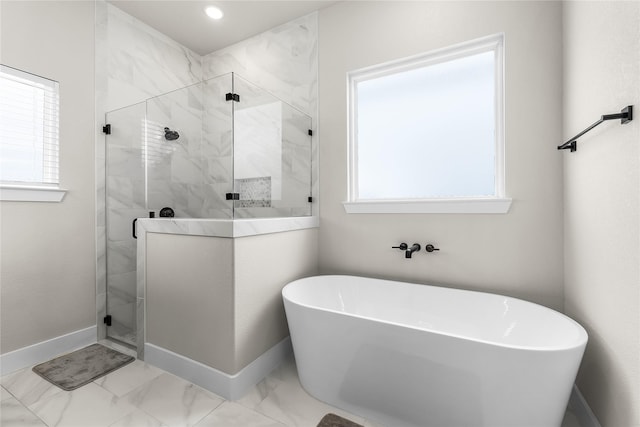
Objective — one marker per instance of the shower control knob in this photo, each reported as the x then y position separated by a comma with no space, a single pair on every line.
431,248
167,213
402,247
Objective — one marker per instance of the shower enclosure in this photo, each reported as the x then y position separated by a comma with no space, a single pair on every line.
220,149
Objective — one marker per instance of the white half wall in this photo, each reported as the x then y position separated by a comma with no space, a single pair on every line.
226,292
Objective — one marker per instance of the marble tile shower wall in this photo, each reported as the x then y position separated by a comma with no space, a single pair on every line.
143,63
135,62
297,162
282,160
217,134
284,61
175,169
125,192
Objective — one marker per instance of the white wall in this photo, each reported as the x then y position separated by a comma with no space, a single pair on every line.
47,250
263,264
602,203
519,253
190,288
225,292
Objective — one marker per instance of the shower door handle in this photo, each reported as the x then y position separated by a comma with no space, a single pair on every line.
133,228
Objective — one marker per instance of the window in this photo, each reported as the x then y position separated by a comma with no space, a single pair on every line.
28,137
426,133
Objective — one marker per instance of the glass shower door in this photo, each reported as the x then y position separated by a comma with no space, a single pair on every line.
188,151
296,160
174,150
204,153
125,201
272,155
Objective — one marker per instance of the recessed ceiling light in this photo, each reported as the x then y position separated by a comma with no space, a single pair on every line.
213,12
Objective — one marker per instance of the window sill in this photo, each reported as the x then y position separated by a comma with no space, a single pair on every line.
15,193
441,206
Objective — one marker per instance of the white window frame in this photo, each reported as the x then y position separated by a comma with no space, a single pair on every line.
499,203
35,191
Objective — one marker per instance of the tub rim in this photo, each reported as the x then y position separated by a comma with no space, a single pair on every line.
581,340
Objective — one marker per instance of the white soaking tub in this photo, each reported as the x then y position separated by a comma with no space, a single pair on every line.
405,354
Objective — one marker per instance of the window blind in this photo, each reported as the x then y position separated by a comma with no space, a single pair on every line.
29,115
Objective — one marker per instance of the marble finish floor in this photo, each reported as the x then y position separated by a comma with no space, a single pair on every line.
141,395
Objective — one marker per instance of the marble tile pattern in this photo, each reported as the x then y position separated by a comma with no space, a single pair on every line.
143,63
183,173
13,413
297,163
134,62
175,169
257,137
271,139
217,147
125,200
284,62
221,227
140,395
195,174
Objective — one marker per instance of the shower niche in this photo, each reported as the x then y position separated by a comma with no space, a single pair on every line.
220,149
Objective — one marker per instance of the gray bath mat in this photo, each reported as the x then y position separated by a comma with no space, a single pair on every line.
82,366
333,420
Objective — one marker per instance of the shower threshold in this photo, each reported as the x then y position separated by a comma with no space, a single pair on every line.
120,346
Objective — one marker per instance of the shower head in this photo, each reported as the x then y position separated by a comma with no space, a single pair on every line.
171,135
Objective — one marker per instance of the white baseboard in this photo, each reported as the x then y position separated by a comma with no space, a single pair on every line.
230,387
581,409
46,350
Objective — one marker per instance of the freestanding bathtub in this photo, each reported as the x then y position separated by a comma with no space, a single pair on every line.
404,354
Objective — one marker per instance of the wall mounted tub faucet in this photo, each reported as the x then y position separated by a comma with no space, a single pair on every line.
407,250
414,248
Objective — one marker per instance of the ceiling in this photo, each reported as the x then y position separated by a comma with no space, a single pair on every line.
185,20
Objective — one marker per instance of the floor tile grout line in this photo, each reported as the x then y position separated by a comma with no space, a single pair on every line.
254,410
134,409
38,417
119,398
147,384
209,413
24,406
11,394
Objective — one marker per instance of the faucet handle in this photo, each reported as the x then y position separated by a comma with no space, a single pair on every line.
402,247
430,248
